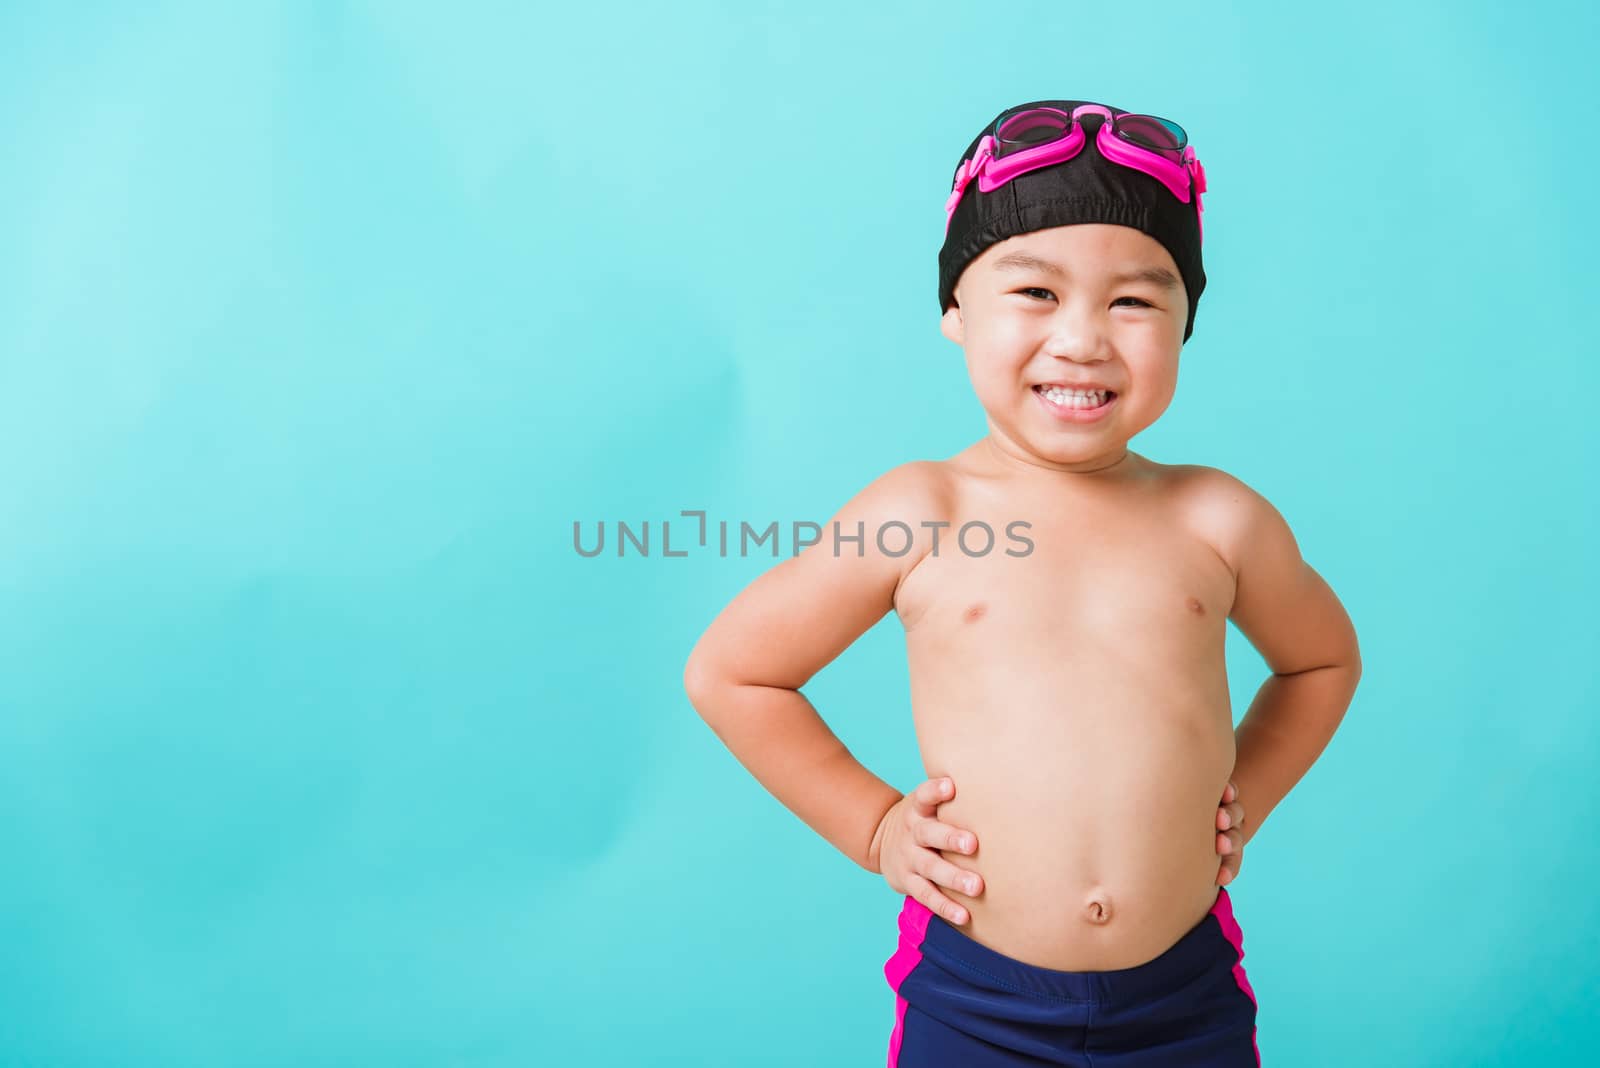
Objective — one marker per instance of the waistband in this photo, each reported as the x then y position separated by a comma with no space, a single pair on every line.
1203,947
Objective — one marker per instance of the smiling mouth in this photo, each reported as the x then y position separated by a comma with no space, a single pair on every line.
1077,400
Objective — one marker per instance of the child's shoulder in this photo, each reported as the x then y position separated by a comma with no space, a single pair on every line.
1208,482
1210,485
916,487
1236,518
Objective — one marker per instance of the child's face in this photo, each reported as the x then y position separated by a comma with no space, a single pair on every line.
1024,326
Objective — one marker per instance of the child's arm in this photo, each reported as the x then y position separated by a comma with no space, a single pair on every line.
745,673
1299,627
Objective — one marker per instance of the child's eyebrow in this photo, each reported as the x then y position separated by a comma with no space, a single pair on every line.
1024,261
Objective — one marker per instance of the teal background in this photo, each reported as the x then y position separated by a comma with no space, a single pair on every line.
320,325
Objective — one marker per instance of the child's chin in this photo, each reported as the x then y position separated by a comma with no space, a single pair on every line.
1057,452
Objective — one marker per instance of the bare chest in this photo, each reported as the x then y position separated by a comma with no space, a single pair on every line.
1136,583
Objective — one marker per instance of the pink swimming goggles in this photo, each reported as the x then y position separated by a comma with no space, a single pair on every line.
1033,136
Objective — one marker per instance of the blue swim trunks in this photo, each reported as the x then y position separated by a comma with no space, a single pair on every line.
960,1004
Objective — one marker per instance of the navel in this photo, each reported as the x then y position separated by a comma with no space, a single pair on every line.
1098,910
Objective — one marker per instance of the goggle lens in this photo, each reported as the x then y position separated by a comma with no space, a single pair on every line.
1026,129
1157,135
1031,127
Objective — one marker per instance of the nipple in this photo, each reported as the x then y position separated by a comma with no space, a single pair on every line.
1098,911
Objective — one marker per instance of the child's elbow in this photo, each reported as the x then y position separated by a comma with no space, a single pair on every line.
700,679
1352,662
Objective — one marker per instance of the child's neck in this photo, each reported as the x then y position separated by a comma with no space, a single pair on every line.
1018,457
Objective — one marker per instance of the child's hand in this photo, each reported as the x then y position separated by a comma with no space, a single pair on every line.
1230,842
908,839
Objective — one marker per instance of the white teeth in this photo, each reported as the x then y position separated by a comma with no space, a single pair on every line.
1069,398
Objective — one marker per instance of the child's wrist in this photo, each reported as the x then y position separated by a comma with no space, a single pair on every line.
874,861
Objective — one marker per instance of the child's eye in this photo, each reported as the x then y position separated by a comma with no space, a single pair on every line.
1047,293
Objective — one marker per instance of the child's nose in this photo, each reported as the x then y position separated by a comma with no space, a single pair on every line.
1078,336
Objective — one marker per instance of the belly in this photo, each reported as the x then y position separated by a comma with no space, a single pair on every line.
1095,819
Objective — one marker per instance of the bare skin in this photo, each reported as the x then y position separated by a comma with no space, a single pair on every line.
913,843
1076,690
1078,694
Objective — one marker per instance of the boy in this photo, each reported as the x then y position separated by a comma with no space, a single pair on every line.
1071,680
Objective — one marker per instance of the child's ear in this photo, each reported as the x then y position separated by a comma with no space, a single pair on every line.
950,325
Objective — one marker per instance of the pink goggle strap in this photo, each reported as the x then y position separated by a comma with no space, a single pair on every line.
992,172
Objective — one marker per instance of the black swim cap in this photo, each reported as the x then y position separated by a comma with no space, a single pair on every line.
1088,188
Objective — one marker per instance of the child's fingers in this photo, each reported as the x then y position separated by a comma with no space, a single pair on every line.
936,835
1229,868
1230,792
1231,815
928,894
934,792
1231,846
940,871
